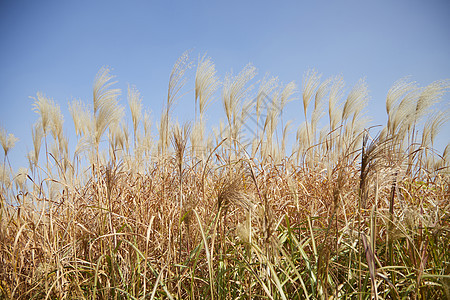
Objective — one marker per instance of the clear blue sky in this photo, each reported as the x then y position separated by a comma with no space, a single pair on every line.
57,47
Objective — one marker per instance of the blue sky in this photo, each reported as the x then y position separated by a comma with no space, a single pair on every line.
57,47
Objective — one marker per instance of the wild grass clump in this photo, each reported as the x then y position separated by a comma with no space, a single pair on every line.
191,213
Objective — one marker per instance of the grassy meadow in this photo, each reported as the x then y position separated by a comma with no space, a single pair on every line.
185,211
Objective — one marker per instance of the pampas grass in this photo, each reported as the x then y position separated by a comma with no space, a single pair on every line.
184,212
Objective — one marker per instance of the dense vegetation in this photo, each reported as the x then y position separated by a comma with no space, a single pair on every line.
187,213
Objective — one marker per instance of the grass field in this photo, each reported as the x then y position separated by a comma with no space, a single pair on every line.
189,213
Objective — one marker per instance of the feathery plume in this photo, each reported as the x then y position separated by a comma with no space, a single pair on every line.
266,87
430,95
107,111
179,141
335,96
57,121
402,116
43,107
321,92
318,110
82,118
37,135
397,91
206,83
311,81
286,94
284,138
439,120
177,79
446,153
5,176
7,142
176,82
356,100
234,90
135,103
3,139
147,123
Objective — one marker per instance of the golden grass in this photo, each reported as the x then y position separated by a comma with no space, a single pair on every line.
343,215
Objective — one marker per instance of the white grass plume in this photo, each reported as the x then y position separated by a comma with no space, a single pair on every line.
397,92
235,89
177,80
43,107
266,87
319,105
206,83
287,93
37,135
311,81
82,118
107,111
336,92
7,141
135,103
356,101
20,178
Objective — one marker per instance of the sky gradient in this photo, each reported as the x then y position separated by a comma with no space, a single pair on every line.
57,47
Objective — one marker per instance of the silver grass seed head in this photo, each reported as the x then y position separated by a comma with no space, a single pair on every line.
357,100
255,145
206,83
82,117
426,134
397,91
107,116
42,107
441,118
210,143
37,135
5,176
321,92
243,232
287,93
284,139
57,121
403,115
302,136
163,130
446,153
31,160
316,115
179,140
197,135
336,117
107,111
445,161
232,192
336,92
11,142
266,87
147,122
3,138
235,89
430,95
103,94
7,141
135,103
311,81
177,79
323,134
